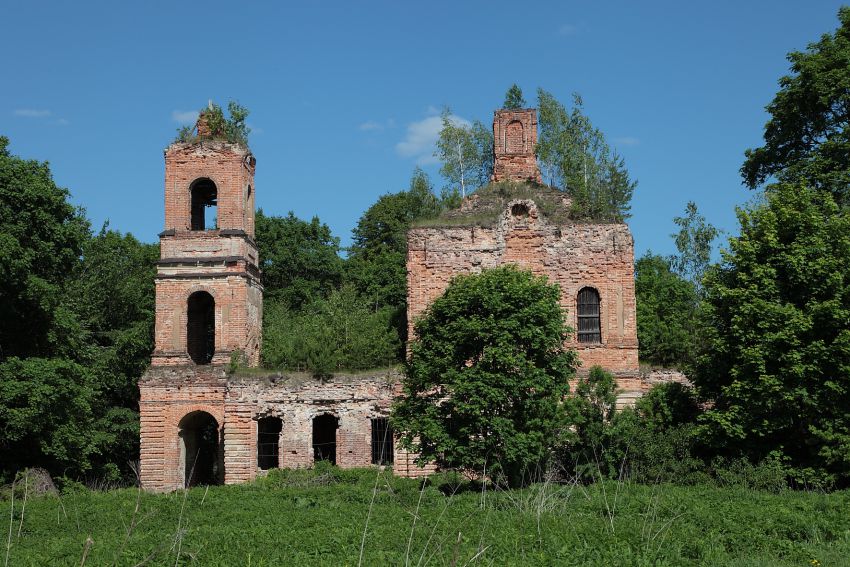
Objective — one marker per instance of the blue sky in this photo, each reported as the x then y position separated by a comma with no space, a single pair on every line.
343,95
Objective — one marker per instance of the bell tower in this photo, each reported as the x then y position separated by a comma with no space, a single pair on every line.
208,293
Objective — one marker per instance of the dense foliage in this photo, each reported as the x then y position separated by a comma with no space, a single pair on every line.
376,259
650,443
575,156
807,137
667,307
777,358
487,374
341,332
41,239
300,260
76,331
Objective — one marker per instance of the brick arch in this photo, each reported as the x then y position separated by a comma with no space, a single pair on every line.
514,137
195,174
200,287
218,414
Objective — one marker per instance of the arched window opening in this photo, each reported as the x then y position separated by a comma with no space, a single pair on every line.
589,328
200,332
204,196
519,210
382,441
199,450
268,439
324,438
514,138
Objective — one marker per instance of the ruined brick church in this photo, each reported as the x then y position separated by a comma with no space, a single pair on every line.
201,423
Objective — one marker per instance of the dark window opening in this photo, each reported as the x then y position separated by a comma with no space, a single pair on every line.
204,196
589,329
324,438
382,442
268,439
200,332
519,210
199,437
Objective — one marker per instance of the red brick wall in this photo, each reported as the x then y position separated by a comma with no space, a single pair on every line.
168,394
514,139
573,255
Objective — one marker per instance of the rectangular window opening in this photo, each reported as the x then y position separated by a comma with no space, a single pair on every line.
268,439
382,441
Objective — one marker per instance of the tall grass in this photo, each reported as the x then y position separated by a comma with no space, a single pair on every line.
329,516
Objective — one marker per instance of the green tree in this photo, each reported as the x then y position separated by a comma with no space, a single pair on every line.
777,356
484,385
694,241
667,306
574,154
342,332
807,137
78,315
465,152
514,98
41,239
377,257
300,259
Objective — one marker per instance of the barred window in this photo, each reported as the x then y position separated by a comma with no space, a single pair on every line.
589,329
268,436
382,442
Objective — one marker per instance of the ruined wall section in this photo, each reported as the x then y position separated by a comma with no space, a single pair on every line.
168,394
574,255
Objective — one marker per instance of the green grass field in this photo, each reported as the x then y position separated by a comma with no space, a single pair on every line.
319,518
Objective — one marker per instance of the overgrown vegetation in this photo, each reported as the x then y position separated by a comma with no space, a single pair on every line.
332,517
230,127
487,373
575,156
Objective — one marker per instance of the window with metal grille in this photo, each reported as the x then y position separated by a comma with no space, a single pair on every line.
268,436
382,442
589,329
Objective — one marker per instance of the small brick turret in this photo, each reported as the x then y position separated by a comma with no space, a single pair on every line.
514,139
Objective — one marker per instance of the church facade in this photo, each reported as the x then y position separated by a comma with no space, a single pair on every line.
202,423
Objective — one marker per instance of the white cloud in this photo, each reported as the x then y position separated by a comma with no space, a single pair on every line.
62,122
374,125
421,138
567,29
627,141
32,113
185,116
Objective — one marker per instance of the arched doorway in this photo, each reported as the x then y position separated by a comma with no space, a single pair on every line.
324,438
200,328
199,450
